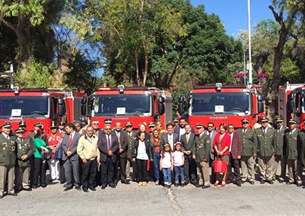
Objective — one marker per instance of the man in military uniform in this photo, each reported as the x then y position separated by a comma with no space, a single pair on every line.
131,136
7,160
293,154
266,145
201,155
301,140
24,153
249,150
279,158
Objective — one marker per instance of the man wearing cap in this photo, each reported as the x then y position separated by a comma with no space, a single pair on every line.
266,149
279,158
123,145
89,153
187,141
61,128
23,125
152,127
54,137
201,154
24,153
249,151
71,158
37,126
293,154
108,121
131,136
8,157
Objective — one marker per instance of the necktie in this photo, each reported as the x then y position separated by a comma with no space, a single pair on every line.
187,138
108,142
70,142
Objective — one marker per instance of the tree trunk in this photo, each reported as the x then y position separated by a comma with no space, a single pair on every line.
24,51
137,68
145,73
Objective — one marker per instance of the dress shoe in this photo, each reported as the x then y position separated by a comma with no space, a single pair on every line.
44,186
103,187
206,186
270,181
1,196
68,188
65,185
85,190
251,182
176,184
112,185
198,185
223,184
34,187
299,184
238,184
182,184
281,180
289,183
78,188
92,188
125,182
13,194
262,181
216,183
27,189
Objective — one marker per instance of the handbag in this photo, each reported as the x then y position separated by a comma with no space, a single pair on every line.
220,166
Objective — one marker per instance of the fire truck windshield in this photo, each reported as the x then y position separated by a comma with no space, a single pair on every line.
235,103
123,105
25,106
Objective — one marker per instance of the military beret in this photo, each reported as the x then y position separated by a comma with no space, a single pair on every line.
128,124
22,124
198,125
38,124
264,119
108,121
61,124
6,125
244,121
278,120
292,121
19,130
176,120
152,124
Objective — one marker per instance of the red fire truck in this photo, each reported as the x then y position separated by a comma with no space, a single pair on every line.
291,102
219,103
39,105
134,104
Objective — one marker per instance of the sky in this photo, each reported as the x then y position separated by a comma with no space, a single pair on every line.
234,13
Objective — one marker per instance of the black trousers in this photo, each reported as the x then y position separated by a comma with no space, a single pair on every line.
123,162
62,171
40,172
142,170
189,169
89,170
32,171
107,171
235,176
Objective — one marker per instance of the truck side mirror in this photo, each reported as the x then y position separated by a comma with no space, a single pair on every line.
181,99
61,107
161,108
290,103
260,103
180,108
90,106
83,107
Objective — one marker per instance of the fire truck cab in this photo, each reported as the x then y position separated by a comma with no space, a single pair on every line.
291,102
39,105
227,104
134,104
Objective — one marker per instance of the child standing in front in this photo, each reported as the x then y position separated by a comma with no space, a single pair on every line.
166,165
178,157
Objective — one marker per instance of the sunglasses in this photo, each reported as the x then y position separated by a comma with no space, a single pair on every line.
107,129
19,132
95,123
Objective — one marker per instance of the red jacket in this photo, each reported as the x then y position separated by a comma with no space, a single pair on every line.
236,147
226,141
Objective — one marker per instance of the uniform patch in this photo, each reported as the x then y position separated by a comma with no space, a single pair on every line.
208,141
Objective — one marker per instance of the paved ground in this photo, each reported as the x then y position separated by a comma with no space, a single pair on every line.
277,199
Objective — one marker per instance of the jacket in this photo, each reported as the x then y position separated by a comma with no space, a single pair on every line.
24,147
103,148
266,142
134,151
202,147
8,152
86,149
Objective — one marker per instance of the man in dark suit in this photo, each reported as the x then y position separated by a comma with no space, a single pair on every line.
180,129
187,141
108,146
170,137
70,157
123,145
211,133
235,156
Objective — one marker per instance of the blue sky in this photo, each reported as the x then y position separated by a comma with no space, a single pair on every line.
234,13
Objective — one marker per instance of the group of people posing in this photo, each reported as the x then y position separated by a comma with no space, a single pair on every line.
86,156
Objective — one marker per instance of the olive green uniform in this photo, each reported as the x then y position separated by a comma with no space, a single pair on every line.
24,147
7,163
266,149
279,158
293,155
249,148
202,149
131,137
